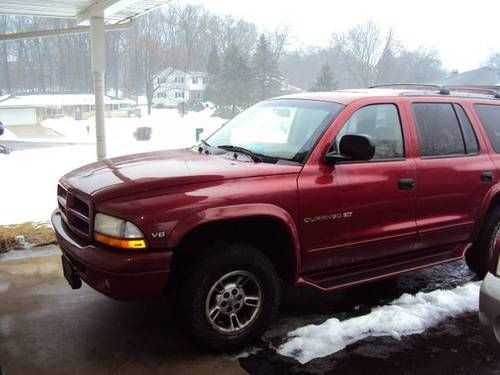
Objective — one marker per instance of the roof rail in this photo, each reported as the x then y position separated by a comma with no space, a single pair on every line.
493,90
442,90
410,85
481,89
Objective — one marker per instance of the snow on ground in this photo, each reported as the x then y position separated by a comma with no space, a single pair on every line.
8,135
169,129
28,179
409,314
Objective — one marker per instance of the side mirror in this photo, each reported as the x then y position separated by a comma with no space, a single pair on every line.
353,147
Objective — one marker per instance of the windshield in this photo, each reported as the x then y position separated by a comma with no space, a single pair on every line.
281,129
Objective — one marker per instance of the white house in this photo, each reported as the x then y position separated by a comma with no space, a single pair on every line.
32,109
176,86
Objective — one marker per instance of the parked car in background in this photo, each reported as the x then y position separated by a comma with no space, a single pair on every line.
132,111
326,190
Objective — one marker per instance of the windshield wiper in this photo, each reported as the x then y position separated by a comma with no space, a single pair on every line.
255,157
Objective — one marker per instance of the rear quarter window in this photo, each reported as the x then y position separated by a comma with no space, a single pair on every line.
490,118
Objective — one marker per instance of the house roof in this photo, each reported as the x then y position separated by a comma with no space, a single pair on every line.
30,101
173,71
484,76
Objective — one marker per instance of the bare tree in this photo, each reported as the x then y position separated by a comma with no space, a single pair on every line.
192,26
361,49
152,54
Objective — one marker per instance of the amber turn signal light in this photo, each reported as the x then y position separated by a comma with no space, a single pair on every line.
132,244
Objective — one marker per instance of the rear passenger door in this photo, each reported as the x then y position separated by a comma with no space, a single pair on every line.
454,172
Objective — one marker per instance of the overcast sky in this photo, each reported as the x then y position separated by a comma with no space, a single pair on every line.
464,32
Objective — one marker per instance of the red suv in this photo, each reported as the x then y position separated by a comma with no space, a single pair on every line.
327,190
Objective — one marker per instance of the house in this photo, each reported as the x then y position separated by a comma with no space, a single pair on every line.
485,76
175,86
32,109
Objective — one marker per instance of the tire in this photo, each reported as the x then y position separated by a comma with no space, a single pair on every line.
478,257
214,291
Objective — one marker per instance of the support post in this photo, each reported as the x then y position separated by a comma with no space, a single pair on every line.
98,59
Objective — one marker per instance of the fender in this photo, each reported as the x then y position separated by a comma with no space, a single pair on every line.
240,211
485,205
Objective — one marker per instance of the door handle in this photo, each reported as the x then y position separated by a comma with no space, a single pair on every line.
487,176
406,184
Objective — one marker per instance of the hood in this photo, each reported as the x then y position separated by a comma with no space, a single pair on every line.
138,173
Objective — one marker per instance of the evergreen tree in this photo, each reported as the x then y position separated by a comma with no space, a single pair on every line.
325,80
213,71
213,64
266,75
232,83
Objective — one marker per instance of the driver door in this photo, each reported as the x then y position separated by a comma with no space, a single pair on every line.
357,211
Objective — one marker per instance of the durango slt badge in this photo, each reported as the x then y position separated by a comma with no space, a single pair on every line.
340,215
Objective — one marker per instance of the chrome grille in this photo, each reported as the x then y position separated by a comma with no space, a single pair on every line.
76,212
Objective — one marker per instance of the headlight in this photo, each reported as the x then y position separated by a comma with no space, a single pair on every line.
117,232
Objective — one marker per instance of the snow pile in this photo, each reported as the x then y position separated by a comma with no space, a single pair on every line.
409,314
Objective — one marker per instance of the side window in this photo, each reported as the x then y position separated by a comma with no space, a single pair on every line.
381,122
438,129
490,118
471,144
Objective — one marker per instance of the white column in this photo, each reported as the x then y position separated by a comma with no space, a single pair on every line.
98,59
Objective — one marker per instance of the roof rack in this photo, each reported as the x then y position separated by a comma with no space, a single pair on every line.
480,89
442,90
446,90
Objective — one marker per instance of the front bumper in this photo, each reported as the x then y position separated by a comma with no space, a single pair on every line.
489,310
120,274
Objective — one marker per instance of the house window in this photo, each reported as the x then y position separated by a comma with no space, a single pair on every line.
204,80
54,111
179,79
179,94
195,80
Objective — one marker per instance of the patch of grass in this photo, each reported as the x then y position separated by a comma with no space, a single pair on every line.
37,234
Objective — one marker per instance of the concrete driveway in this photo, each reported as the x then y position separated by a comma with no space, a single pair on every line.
47,328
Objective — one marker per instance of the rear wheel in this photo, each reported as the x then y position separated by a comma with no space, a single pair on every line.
478,257
229,296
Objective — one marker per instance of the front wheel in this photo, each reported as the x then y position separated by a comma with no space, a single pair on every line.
229,297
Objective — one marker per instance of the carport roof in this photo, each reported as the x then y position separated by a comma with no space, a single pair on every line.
115,11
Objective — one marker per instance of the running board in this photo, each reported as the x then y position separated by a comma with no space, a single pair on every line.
378,270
